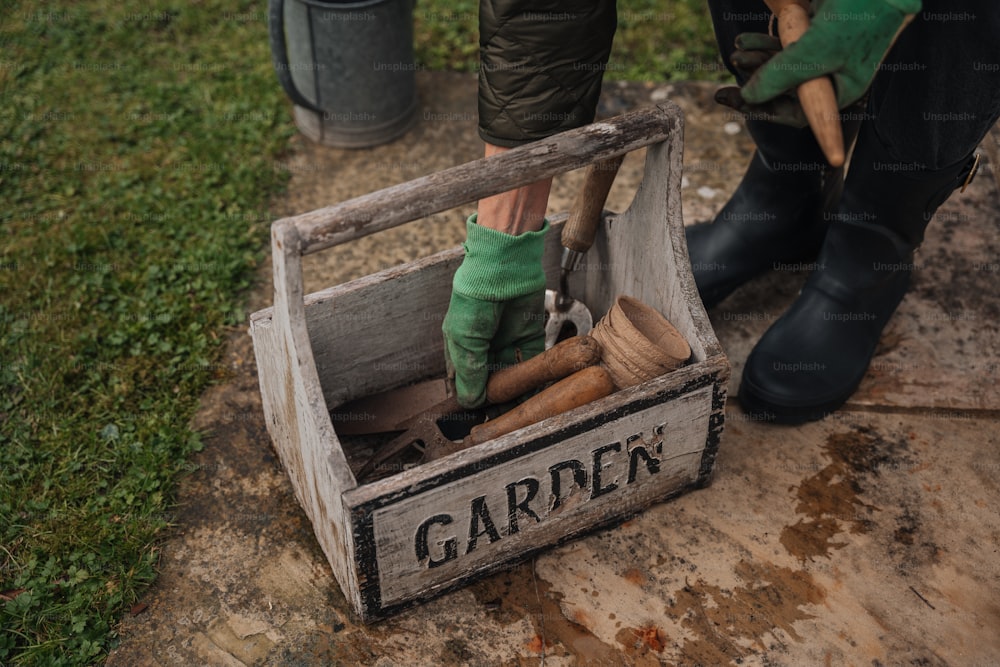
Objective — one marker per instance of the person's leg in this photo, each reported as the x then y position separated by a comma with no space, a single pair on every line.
515,211
730,18
541,64
541,69
776,214
929,107
938,91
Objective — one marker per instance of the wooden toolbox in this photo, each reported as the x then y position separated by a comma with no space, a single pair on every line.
404,538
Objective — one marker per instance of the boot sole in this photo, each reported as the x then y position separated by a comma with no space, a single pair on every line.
762,408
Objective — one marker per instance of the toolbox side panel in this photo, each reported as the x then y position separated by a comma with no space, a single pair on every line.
308,452
648,246
382,331
480,516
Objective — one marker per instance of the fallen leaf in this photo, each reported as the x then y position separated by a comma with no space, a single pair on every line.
537,644
651,637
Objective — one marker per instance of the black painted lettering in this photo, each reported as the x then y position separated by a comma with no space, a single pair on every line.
480,514
531,484
579,477
595,473
652,463
423,547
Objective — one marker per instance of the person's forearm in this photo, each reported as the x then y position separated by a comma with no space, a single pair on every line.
515,211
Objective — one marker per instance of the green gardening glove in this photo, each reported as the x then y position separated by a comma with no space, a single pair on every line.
847,39
753,51
497,309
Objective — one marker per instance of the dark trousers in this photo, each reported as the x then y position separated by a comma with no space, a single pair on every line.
937,93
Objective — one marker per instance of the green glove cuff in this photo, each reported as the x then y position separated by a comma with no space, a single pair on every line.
905,6
499,266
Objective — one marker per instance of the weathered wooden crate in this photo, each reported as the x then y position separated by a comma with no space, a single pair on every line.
402,539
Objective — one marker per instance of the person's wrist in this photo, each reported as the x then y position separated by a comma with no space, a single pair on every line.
500,266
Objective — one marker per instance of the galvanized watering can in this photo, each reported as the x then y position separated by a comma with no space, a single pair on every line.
347,66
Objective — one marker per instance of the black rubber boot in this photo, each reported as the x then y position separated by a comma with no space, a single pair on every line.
812,359
775,216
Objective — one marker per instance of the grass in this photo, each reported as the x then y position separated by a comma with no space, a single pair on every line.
656,40
136,168
665,41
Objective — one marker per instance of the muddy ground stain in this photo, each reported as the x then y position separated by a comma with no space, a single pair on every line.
519,594
829,499
643,645
722,621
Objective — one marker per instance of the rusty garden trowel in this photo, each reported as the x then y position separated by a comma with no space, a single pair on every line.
566,316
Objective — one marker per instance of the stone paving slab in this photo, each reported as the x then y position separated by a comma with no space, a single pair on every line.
868,538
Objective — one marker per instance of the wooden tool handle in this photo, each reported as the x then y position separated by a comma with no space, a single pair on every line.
578,389
817,97
565,358
581,227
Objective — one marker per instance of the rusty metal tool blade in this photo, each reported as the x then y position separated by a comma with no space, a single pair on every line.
421,431
559,315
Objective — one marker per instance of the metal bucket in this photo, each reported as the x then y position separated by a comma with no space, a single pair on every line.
347,66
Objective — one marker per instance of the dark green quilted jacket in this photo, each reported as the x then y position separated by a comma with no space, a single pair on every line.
541,65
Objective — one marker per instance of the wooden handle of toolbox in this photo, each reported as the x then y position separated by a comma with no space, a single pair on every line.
578,389
818,99
581,227
399,204
562,359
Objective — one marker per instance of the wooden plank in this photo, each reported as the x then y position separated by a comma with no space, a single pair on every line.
474,180
384,330
533,495
653,266
659,390
296,413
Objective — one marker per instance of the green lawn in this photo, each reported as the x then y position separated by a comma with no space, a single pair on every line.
136,170
657,40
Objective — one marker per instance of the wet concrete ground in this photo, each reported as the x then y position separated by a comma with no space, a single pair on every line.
870,538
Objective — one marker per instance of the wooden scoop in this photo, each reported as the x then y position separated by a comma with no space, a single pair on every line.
818,99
